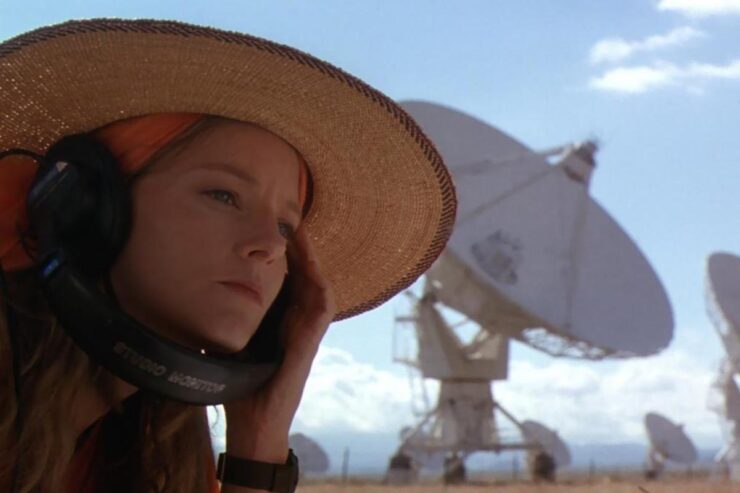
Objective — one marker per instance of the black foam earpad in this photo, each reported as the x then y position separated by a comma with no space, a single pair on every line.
95,218
79,212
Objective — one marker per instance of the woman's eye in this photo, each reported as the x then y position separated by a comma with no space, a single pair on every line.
286,230
224,196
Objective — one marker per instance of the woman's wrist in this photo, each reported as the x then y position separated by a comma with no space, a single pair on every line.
272,449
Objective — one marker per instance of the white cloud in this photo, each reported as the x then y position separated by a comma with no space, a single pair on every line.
636,79
217,419
703,70
616,49
701,8
587,404
640,79
344,394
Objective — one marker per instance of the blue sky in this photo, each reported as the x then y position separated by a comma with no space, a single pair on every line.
657,82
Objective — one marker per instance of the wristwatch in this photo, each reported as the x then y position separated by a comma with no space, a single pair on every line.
277,478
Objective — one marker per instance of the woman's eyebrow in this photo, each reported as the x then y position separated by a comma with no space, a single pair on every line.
245,176
232,170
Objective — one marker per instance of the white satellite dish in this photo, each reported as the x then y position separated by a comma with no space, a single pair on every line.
668,441
466,417
311,457
532,255
551,443
723,301
723,307
732,399
725,401
726,394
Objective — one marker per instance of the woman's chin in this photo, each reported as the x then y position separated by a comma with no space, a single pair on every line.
224,335
225,340
222,347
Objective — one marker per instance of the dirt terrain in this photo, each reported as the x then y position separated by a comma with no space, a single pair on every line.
606,486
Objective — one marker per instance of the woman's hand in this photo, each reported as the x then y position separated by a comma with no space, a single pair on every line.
257,426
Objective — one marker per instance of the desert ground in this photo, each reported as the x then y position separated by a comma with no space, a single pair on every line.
669,486
622,481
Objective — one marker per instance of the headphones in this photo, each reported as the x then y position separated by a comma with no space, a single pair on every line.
79,214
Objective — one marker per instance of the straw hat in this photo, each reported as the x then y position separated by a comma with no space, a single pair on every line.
383,203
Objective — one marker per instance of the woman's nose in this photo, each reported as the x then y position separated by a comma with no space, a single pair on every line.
262,242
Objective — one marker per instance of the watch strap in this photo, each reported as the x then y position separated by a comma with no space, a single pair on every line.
277,478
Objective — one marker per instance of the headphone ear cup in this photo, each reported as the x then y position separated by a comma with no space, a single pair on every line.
94,223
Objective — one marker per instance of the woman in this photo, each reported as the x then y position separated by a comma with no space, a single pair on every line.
265,193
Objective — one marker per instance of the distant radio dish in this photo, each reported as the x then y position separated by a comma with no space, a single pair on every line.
723,301
532,255
668,440
551,443
311,457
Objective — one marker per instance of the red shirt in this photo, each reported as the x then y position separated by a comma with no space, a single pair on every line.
83,474
81,477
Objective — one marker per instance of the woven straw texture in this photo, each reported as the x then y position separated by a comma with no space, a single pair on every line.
383,203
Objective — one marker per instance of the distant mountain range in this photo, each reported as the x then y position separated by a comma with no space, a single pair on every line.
369,454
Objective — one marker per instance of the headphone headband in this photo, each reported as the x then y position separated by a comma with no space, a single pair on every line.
79,213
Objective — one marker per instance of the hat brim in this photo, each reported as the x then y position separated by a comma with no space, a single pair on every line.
383,204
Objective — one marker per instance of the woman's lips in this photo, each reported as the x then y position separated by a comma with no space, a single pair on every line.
244,290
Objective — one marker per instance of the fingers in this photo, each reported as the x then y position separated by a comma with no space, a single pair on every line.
310,311
312,306
310,289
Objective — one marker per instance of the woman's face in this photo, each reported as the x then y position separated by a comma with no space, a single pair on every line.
206,255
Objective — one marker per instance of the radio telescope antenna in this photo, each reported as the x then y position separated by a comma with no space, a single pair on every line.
725,401
553,453
532,255
550,441
466,417
723,301
533,258
723,307
311,456
668,441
